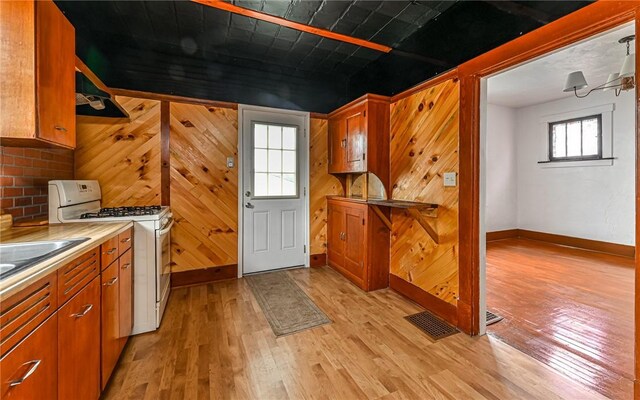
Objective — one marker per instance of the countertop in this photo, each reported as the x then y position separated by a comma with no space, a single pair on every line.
97,233
388,202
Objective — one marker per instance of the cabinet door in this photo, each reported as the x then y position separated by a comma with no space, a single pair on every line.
335,229
55,71
125,297
355,242
337,145
110,346
30,370
79,344
355,126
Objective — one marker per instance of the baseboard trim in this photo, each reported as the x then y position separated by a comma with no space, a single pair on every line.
319,260
585,244
499,235
204,275
441,308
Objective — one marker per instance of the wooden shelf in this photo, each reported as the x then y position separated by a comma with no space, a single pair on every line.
418,211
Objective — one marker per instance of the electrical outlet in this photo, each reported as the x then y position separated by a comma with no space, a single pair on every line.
450,179
231,162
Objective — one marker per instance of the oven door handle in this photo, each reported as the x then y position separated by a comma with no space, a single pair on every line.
165,230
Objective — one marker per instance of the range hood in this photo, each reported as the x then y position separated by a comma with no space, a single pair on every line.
94,102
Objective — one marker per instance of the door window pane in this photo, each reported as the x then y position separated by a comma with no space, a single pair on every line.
288,161
275,160
289,138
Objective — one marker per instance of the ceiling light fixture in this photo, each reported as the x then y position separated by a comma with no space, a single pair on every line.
619,81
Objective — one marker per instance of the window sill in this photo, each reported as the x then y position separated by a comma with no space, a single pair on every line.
603,162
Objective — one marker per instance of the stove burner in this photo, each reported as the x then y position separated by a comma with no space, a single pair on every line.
123,212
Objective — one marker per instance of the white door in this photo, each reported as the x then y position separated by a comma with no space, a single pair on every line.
273,171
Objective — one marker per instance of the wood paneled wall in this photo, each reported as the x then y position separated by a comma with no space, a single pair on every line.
204,192
424,145
321,185
123,155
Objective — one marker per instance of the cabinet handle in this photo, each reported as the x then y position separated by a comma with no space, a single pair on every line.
125,240
84,312
343,143
127,265
34,365
109,252
112,281
60,128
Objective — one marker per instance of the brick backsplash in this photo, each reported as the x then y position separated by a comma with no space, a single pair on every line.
24,174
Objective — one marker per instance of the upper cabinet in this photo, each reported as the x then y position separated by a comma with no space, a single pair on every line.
37,59
359,137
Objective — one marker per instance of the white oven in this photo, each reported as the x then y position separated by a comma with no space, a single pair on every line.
163,262
79,201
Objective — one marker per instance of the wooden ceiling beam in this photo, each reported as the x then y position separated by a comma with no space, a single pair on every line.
223,5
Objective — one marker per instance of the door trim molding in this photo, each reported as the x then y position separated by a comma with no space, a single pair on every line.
305,177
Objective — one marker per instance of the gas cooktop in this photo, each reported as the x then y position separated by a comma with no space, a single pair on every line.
110,212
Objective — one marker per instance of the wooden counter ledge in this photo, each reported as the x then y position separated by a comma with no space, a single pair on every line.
97,233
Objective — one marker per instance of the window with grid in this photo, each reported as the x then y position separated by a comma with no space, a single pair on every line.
576,139
275,160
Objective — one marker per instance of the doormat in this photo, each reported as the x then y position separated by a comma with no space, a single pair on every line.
492,318
431,325
287,308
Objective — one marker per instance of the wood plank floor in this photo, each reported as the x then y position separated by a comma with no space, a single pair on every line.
215,343
571,309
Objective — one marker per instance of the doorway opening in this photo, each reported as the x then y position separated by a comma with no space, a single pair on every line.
557,211
272,191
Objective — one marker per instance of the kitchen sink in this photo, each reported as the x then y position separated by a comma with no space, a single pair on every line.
15,257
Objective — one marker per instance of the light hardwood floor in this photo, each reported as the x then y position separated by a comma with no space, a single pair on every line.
215,343
569,308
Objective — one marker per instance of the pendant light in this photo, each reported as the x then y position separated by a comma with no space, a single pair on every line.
623,80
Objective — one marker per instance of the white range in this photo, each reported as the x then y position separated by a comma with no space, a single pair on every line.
79,201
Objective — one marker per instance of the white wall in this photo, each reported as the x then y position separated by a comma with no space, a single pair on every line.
501,187
591,202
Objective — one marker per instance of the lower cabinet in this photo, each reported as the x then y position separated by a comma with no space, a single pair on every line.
78,341
125,298
30,369
61,337
357,243
110,346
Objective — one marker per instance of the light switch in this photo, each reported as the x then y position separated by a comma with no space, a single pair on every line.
450,179
231,162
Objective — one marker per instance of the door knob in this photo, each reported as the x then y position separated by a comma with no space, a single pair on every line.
247,193
249,205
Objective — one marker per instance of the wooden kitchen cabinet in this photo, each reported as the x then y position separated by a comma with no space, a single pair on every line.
125,298
30,369
359,137
79,344
358,243
110,346
37,90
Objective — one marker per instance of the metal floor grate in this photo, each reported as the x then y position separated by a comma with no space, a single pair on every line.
431,325
492,318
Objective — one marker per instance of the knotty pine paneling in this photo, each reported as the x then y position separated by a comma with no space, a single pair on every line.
204,192
321,184
123,155
424,144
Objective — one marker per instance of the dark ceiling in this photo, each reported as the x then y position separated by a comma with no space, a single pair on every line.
187,49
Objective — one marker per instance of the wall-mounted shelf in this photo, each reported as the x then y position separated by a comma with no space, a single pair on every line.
417,210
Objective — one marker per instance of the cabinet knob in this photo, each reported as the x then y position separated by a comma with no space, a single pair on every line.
60,128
